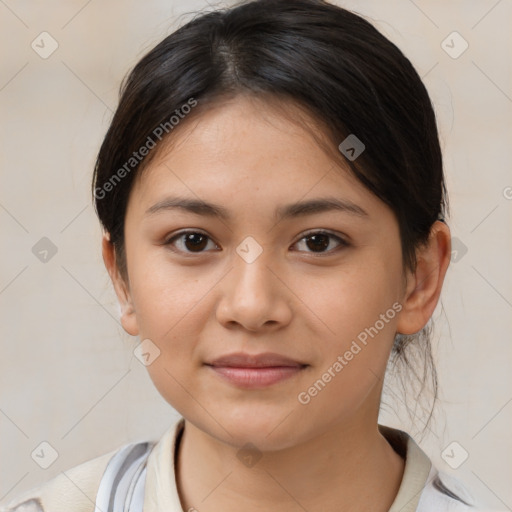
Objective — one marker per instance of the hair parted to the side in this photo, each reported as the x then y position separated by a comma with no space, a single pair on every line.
329,62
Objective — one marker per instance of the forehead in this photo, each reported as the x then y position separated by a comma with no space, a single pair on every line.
245,153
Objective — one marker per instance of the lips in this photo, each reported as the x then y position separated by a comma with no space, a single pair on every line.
264,360
252,371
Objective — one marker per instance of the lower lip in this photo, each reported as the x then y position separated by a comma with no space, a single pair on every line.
256,377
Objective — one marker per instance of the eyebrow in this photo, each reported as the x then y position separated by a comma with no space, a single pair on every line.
298,209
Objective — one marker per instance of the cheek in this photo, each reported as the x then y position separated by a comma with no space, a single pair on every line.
165,295
358,304
168,301
350,298
359,308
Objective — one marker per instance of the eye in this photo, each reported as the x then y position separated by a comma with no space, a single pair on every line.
318,241
189,242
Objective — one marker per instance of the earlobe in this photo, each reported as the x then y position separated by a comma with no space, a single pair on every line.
126,308
424,285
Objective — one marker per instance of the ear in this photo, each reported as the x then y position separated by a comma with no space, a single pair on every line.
128,315
424,285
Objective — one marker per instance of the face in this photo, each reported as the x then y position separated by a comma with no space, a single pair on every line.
319,286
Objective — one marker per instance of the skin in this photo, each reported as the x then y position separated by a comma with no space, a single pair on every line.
303,304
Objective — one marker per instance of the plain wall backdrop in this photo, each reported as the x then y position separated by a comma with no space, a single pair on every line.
68,374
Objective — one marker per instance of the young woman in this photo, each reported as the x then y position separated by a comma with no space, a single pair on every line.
272,194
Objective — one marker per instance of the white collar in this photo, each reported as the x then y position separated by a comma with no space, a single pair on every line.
161,491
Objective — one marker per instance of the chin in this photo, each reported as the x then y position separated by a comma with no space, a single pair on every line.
267,430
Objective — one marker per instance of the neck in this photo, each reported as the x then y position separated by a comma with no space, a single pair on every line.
330,472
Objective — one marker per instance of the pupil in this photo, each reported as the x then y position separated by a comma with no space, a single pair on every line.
322,241
197,244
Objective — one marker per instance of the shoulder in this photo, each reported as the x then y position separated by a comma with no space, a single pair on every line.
74,489
424,488
443,492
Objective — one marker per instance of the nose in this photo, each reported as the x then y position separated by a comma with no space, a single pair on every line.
254,296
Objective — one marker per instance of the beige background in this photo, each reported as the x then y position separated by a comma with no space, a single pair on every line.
67,372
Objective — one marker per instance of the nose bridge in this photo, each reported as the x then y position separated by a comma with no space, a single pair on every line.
252,296
252,274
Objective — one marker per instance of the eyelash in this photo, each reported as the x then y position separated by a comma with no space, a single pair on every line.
342,243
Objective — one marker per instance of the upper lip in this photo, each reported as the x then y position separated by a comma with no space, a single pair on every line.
244,360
